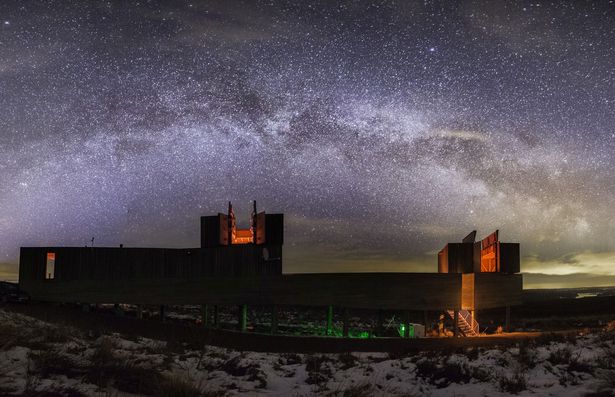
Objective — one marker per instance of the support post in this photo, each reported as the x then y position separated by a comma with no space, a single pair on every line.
243,318
425,321
216,317
507,324
456,323
163,313
329,320
140,312
379,321
204,315
407,324
274,320
345,328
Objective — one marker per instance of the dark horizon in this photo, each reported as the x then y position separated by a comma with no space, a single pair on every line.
382,131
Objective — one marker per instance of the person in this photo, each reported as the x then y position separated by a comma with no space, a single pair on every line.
441,325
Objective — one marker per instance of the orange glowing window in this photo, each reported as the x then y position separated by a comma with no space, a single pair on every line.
50,266
488,259
243,236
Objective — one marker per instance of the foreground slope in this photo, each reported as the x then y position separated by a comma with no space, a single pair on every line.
36,356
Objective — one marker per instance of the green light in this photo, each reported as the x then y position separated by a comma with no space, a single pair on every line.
402,330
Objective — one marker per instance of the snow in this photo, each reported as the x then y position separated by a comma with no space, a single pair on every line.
571,366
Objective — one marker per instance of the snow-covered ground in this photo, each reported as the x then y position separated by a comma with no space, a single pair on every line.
36,356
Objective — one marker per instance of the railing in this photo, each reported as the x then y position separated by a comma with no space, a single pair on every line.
470,321
466,322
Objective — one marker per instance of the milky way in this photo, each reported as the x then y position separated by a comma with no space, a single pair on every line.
382,130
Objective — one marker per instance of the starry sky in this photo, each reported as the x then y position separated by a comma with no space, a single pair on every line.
382,129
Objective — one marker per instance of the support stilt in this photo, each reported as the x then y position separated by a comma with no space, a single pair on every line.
243,318
216,317
139,312
204,315
456,324
163,313
345,325
407,324
274,319
379,324
329,320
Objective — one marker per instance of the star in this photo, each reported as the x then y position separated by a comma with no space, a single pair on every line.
403,127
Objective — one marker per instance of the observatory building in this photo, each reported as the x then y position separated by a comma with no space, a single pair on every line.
236,266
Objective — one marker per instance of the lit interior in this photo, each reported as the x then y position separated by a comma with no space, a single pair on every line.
488,260
242,236
50,266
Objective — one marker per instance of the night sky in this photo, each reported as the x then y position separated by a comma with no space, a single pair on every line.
382,130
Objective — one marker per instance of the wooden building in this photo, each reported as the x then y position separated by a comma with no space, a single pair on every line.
241,267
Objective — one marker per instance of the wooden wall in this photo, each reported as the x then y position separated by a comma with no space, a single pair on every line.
407,291
497,290
458,257
238,274
80,263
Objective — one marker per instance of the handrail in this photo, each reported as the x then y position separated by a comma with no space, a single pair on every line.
466,318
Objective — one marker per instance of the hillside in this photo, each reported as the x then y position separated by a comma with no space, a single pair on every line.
37,356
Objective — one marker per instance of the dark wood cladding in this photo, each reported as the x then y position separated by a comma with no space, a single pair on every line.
407,291
497,290
456,258
82,263
214,230
466,258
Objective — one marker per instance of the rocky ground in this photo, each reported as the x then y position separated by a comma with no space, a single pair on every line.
38,358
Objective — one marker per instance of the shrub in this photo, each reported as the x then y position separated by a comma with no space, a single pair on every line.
550,337
480,374
178,387
133,379
359,390
607,381
291,359
527,356
471,353
347,360
560,356
235,367
104,354
513,384
317,372
444,374
576,365
52,362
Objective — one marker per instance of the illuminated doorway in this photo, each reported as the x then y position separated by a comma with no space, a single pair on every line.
50,266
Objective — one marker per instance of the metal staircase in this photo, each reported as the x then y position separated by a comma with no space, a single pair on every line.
466,323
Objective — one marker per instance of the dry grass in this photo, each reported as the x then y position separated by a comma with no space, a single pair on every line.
514,384
443,373
318,370
53,362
